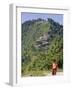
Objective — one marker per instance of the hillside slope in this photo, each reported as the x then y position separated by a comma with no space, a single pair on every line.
42,42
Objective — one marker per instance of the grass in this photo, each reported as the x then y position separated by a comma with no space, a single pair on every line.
35,73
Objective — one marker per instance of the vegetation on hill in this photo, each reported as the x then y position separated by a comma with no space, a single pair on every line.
42,42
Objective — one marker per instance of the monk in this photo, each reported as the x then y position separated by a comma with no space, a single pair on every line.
54,68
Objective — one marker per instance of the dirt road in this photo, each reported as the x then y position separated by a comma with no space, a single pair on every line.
58,74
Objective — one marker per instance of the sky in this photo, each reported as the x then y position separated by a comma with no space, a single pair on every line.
25,16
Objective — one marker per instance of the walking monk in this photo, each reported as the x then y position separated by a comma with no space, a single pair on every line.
54,68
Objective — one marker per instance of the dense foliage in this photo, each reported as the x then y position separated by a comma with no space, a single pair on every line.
42,42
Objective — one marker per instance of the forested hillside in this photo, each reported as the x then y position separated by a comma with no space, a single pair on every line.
42,42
